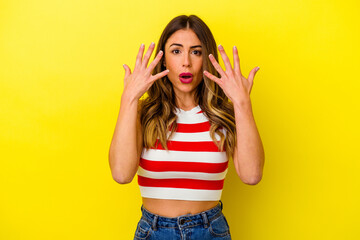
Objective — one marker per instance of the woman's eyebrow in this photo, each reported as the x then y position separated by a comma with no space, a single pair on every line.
178,44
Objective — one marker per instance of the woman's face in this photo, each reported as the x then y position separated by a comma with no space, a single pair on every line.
183,54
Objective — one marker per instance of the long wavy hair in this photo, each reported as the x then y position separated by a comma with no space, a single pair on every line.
157,110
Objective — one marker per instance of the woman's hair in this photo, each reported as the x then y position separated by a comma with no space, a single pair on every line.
157,110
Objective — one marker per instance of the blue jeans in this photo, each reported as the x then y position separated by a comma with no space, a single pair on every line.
210,224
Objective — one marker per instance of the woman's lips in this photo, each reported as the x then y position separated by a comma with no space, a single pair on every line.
186,80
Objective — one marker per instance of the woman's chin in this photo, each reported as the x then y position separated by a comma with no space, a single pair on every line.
185,88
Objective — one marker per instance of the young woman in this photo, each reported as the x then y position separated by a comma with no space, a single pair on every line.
179,139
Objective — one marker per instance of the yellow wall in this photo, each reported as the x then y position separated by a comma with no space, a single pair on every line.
61,79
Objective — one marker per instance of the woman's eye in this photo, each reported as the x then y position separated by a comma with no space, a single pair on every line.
176,51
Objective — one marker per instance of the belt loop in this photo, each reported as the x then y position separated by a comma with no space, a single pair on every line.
154,223
221,204
206,223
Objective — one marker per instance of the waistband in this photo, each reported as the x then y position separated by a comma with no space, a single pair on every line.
184,220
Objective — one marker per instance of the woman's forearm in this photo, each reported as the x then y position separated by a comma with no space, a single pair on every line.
249,152
123,152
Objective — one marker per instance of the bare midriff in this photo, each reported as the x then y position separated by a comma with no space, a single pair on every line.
174,208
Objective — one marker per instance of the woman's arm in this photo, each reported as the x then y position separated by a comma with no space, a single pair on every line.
249,152
126,144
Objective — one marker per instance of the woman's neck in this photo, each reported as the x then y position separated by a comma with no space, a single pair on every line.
185,102
186,105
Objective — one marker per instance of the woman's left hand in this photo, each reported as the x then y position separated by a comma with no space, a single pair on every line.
236,87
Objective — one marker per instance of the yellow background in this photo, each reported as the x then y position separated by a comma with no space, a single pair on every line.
61,79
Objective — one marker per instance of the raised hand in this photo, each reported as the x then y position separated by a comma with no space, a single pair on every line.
138,82
236,87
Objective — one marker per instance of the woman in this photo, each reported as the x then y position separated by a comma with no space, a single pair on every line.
179,139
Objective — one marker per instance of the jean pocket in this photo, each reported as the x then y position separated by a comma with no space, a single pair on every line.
143,229
219,226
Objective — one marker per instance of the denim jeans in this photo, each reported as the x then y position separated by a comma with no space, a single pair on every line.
210,224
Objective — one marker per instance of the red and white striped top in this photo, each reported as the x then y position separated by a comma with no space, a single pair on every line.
193,168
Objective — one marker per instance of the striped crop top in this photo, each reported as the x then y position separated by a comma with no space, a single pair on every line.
192,169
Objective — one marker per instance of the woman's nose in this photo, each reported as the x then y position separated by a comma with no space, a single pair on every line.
186,60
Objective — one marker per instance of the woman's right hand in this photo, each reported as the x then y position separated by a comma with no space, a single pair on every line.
138,82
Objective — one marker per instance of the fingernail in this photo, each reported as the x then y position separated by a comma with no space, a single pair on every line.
152,44
235,48
142,45
220,47
123,65
160,52
257,68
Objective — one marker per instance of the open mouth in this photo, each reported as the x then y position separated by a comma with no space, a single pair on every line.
186,79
